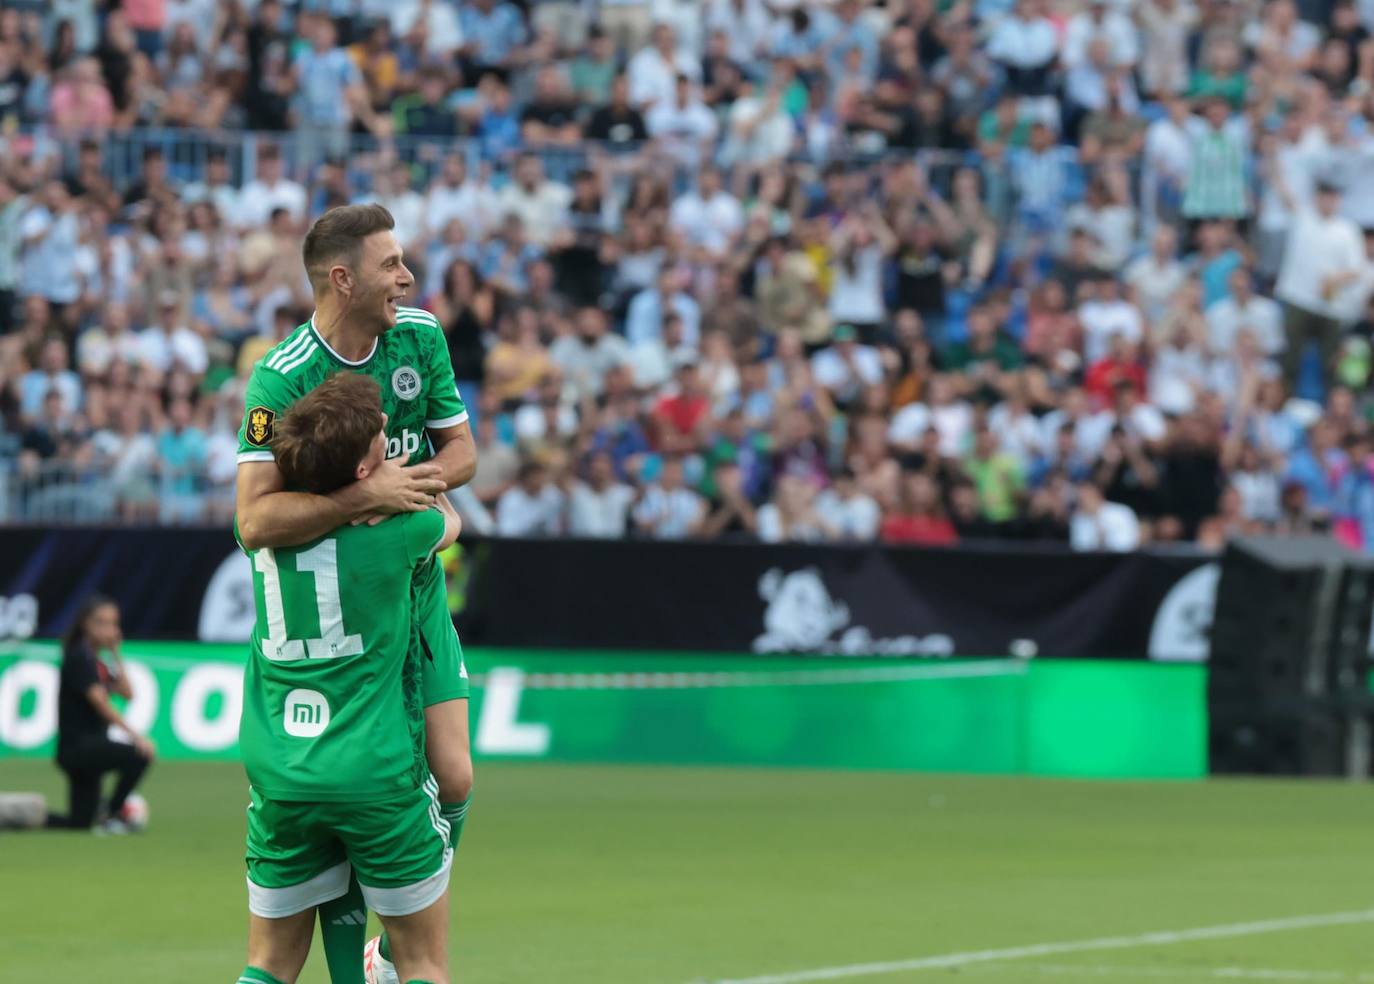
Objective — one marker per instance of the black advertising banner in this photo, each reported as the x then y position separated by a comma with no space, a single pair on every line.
160,576
637,595
844,600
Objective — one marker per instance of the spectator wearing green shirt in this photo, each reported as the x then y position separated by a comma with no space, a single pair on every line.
1217,185
1003,124
1220,74
738,445
989,358
426,112
997,477
590,73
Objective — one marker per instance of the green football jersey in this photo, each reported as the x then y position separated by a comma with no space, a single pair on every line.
331,695
410,363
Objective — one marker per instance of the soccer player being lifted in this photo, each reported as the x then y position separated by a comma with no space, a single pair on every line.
358,277
332,732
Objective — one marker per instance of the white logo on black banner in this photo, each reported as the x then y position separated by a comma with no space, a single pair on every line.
803,617
226,611
1182,627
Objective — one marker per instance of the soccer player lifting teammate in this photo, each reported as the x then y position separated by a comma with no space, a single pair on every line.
358,276
332,731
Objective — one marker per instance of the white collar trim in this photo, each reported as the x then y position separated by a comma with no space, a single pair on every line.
330,349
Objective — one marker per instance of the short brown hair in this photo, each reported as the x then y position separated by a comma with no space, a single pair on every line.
320,440
339,234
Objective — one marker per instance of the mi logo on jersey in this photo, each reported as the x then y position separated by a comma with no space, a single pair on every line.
306,713
405,383
259,429
407,443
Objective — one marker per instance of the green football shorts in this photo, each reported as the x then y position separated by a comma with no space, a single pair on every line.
299,853
443,675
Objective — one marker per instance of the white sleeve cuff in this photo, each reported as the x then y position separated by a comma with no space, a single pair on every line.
454,421
245,456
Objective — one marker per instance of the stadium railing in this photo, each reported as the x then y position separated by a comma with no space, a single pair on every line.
62,492
188,151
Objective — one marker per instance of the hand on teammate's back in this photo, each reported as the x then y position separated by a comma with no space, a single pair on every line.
395,488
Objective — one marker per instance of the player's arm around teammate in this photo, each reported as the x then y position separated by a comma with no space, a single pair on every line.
270,516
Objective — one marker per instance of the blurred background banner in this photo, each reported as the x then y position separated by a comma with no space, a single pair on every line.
735,598
1041,717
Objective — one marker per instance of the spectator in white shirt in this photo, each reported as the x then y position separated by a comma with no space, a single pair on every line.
1090,428
1016,428
600,506
1256,478
588,355
52,374
1106,314
456,196
169,344
1156,277
217,188
1284,44
1025,44
859,245
1244,309
846,367
951,418
1101,23
1101,525
654,71
533,506
760,131
682,123
1230,373
1181,367
1165,26
668,510
745,23
792,516
644,320
541,205
851,513
708,216
50,234
109,342
1285,172
1108,215
270,191
1139,419
1168,157
1325,255
437,21
392,190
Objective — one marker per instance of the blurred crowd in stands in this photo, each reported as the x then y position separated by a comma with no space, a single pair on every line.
1092,271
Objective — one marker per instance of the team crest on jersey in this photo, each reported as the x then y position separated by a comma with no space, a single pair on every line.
405,382
259,429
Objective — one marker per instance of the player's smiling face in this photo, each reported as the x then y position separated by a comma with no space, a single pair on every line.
384,277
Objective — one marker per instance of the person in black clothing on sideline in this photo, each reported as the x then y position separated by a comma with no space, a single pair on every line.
84,715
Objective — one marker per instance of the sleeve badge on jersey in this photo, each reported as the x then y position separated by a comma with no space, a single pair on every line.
259,429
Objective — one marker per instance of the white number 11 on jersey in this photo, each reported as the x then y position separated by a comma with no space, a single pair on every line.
321,560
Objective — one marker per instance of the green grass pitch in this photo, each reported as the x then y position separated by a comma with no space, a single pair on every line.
610,875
